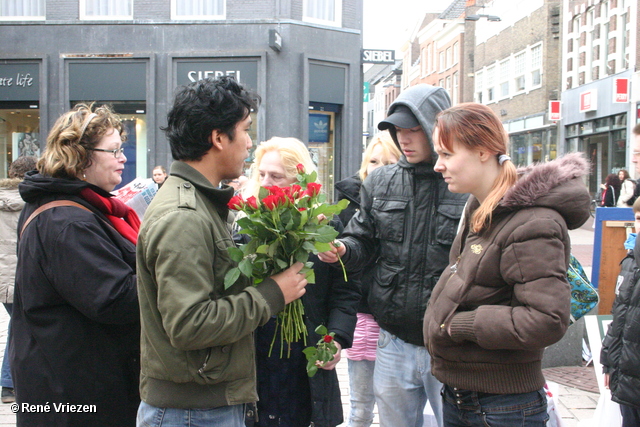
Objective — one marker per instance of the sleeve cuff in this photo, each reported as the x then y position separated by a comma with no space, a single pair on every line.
271,292
462,327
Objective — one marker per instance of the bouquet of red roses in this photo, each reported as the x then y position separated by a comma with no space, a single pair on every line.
286,224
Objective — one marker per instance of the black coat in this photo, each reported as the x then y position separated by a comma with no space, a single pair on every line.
283,386
620,353
407,220
75,324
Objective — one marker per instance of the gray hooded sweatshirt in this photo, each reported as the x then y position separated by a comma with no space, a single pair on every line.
406,225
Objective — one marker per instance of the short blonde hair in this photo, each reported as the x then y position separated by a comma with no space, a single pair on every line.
292,152
66,154
389,150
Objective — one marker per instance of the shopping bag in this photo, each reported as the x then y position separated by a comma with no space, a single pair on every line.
584,297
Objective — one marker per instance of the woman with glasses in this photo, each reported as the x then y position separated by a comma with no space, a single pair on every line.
75,319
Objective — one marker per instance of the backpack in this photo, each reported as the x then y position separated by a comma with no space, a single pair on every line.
584,297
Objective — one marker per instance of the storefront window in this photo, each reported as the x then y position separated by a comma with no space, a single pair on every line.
618,150
586,127
19,135
602,124
321,147
572,130
620,121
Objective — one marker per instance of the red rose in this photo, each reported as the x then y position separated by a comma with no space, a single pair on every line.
313,189
236,203
252,202
328,338
270,202
300,168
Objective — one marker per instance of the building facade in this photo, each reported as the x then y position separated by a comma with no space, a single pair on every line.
514,68
133,54
599,98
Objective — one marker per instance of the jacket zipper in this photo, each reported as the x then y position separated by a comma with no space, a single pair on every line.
204,365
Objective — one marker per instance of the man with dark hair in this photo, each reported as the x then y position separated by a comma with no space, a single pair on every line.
636,155
197,350
406,223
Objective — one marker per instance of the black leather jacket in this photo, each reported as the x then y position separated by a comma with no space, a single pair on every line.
621,347
407,222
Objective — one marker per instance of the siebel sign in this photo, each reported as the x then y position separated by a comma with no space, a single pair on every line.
377,56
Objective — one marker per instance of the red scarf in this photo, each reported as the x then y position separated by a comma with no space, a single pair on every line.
124,219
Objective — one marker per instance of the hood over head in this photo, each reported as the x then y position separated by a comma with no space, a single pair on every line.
422,101
35,186
557,184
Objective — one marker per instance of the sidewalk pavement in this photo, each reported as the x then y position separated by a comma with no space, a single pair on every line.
578,389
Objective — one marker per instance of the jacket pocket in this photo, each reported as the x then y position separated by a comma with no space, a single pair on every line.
389,215
447,220
221,363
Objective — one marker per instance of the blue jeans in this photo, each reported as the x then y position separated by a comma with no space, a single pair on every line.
362,397
403,383
224,416
463,408
5,375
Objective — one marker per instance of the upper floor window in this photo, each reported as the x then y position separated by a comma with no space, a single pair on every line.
14,10
326,12
198,9
106,9
519,71
456,52
536,65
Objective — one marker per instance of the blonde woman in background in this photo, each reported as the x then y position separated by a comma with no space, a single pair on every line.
287,396
361,356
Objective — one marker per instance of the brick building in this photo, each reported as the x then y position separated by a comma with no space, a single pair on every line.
513,65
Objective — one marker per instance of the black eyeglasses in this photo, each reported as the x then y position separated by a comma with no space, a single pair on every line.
117,153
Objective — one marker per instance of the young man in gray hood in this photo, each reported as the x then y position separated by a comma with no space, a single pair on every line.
407,222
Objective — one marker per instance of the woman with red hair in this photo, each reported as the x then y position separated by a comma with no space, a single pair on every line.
505,296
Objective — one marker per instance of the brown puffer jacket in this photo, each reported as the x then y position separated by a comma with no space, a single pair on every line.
505,293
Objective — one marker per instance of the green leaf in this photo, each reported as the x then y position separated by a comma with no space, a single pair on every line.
282,264
321,330
326,234
231,277
312,370
309,247
310,352
246,267
322,247
235,253
262,249
311,276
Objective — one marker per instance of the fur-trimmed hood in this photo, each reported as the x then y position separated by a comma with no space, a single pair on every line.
557,184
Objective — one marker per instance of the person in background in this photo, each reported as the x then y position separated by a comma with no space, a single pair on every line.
76,324
197,359
11,205
287,396
504,296
159,175
610,191
634,160
626,189
406,223
620,354
237,183
361,356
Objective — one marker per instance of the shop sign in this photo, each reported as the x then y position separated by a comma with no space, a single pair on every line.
19,82
621,90
319,128
589,101
554,111
377,56
245,72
